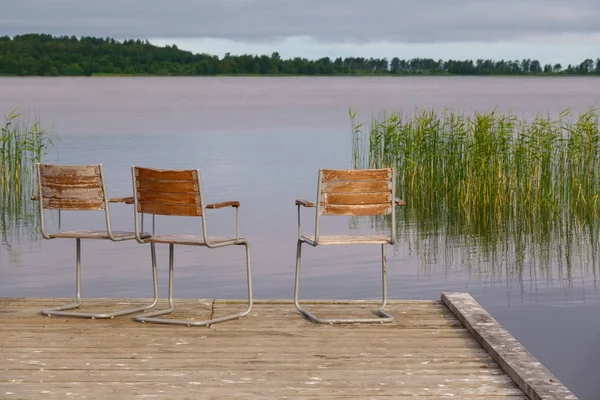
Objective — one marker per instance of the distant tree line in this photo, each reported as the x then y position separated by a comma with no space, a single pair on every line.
47,55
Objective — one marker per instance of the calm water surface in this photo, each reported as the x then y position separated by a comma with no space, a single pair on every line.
261,141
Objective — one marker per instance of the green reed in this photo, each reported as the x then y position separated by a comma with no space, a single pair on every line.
23,143
492,180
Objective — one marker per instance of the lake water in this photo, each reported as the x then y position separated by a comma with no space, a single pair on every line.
261,141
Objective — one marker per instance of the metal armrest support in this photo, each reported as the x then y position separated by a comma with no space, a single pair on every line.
223,204
216,206
304,203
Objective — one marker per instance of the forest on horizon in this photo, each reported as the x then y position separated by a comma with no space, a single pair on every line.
47,55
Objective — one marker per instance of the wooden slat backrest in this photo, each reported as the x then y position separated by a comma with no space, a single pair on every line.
356,192
167,192
71,187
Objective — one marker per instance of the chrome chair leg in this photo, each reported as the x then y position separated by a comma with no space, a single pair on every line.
151,317
62,310
384,316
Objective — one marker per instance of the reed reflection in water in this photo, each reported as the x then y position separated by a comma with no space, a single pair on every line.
503,198
22,144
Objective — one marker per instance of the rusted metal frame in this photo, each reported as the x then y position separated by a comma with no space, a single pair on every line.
62,310
151,317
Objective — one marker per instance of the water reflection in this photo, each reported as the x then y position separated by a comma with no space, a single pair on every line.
22,144
502,198
511,254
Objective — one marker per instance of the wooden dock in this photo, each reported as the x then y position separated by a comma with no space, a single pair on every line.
433,349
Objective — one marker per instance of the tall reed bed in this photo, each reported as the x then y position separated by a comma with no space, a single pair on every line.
23,142
492,177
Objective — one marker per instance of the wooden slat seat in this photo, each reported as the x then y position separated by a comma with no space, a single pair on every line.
190,240
345,239
95,235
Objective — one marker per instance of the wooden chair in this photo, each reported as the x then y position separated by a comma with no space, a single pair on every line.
179,193
80,188
351,193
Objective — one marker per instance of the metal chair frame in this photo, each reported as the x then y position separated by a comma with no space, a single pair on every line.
62,309
383,315
151,317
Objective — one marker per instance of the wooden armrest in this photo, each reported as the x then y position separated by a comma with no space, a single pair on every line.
35,198
399,202
304,203
223,204
126,200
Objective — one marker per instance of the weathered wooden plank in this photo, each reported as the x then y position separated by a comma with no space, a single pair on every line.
354,199
146,197
291,332
68,182
356,210
189,175
231,389
173,186
421,356
405,304
182,210
357,174
141,362
59,170
73,204
524,369
356,186
73,193
277,376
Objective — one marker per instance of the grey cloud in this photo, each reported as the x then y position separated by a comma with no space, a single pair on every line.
322,20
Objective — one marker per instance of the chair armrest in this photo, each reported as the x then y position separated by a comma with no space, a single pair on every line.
214,206
399,202
126,200
304,203
35,198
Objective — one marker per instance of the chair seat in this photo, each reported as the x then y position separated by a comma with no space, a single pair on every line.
343,239
95,235
191,240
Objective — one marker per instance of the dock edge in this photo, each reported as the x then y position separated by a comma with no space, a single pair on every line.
526,371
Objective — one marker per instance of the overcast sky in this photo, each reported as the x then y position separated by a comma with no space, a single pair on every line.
565,31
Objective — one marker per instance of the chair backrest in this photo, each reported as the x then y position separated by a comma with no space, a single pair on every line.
356,192
364,192
71,187
167,192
